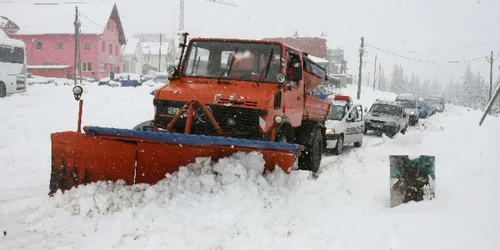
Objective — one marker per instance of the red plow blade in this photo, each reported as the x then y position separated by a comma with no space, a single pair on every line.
108,154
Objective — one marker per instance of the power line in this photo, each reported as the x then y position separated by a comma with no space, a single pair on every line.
423,60
454,48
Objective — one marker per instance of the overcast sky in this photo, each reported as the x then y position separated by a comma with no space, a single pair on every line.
400,26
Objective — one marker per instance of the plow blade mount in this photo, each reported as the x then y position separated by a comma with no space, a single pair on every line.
109,154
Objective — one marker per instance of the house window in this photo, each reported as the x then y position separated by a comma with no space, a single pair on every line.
38,45
102,68
117,69
103,46
86,45
86,67
59,45
110,48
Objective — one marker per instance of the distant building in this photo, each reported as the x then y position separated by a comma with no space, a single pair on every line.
132,58
48,32
155,56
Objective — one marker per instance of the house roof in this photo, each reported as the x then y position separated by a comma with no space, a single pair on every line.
154,48
131,46
57,18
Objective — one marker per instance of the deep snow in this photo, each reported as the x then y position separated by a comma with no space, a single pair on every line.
233,207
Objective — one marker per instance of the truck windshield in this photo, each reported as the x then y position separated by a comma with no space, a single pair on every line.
386,109
243,61
337,112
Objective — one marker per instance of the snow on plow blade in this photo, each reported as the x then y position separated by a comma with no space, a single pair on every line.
109,154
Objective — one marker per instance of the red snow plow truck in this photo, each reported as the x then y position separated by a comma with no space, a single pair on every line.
224,96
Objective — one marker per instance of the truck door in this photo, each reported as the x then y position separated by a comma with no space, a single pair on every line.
355,125
293,93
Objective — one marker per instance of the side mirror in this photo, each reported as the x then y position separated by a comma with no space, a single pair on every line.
366,109
404,115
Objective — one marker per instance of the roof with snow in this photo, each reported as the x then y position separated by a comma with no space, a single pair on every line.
154,48
57,18
317,59
5,40
131,46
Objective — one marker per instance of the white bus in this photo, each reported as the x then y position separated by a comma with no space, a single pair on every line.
13,77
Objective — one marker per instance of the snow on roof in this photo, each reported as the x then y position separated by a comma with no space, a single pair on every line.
154,48
131,46
54,18
317,59
5,40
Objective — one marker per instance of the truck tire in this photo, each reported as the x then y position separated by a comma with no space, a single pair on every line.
145,126
340,146
285,134
311,157
3,90
358,144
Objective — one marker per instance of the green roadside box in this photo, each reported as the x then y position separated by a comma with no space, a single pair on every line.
412,178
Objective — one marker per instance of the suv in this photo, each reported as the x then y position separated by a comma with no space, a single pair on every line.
437,101
409,101
386,117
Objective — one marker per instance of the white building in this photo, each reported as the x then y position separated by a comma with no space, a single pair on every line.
132,57
151,54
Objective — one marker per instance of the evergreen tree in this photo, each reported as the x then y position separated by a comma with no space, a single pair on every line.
397,80
382,82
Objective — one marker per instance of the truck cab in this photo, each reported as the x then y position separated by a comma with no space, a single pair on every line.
345,124
254,89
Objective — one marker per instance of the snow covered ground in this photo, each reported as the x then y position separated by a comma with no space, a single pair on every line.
346,207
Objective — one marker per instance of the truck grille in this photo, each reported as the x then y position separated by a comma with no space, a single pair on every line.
246,120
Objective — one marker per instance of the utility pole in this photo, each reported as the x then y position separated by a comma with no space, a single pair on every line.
375,73
361,52
490,60
77,45
159,58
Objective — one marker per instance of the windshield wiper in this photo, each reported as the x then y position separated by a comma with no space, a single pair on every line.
228,68
266,70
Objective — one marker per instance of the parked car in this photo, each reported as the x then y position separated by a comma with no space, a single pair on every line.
345,125
409,101
437,101
386,117
425,109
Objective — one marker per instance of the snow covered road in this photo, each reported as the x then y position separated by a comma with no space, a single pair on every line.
346,207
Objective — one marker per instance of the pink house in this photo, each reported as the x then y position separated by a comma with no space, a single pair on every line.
48,32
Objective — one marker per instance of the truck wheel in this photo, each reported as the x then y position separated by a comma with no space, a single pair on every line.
358,144
340,145
285,135
3,90
404,130
311,157
145,126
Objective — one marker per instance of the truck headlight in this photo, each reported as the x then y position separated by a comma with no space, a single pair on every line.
330,131
278,119
412,112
